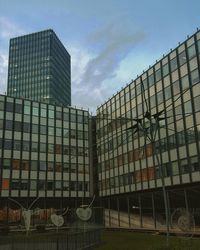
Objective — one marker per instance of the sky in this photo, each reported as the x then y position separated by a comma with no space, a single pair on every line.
110,41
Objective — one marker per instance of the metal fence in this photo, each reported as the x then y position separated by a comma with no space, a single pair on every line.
49,241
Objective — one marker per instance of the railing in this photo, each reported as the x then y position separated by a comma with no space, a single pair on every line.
52,241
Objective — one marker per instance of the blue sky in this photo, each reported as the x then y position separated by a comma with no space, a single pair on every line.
110,42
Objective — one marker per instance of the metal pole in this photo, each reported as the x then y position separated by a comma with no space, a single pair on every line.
128,207
140,208
164,192
153,207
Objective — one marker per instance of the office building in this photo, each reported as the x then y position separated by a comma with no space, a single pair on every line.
130,174
39,69
44,152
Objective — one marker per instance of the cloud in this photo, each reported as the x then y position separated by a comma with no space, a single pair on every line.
96,72
114,44
3,72
8,30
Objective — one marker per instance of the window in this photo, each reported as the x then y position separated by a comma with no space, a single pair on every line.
17,145
51,131
58,149
72,186
43,166
73,151
178,110
34,147
66,133
50,185
191,51
188,107
1,105
9,107
41,185
151,80
73,117
50,166
194,163
26,127
8,124
51,113
34,165
66,167
34,128
1,124
33,185
58,115
197,103
25,146
15,184
7,144
185,168
18,108
160,97
182,58
66,150
27,110
168,93
173,64
15,164
58,132
73,134
58,185
176,88
6,163
43,147
58,167
85,118
5,184
35,111
43,130
80,135
195,76
198,45
50,148
185,82
132,93
144,85
25,165
153,101
158,75
80,119
65,185
165,69
138,89
175,169
17,126
43,113
66,116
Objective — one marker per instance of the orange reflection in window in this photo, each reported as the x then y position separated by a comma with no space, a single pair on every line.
5,184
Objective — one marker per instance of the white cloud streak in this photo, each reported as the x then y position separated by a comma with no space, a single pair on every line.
97,72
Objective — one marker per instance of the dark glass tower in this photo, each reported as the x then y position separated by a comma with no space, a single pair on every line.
39,68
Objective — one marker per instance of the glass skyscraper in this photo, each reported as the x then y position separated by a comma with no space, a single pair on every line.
39,68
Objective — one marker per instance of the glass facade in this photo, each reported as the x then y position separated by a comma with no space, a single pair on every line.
126,161
44,150
39,69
